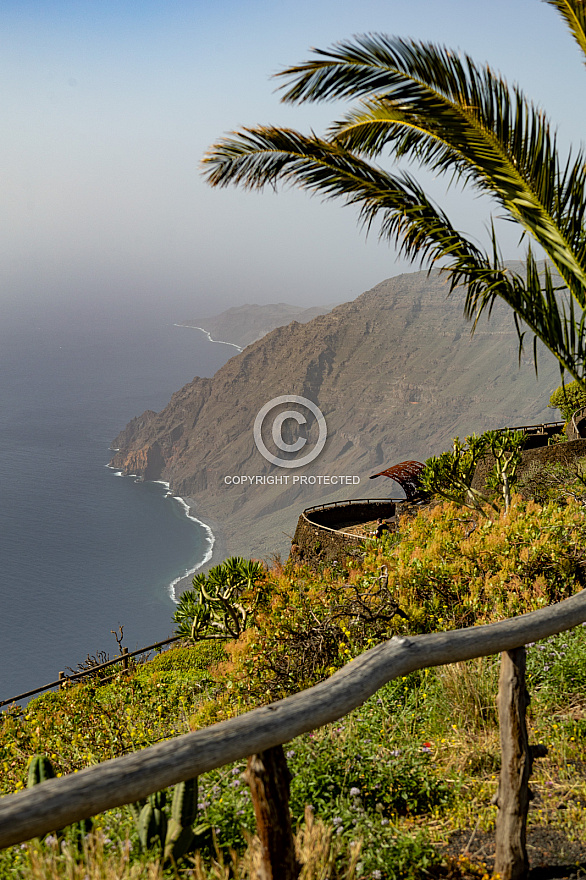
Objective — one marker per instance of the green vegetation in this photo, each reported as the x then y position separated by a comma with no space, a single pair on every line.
377,794
568,398
439,110
554,481
450,474
172,836
40,770
215,608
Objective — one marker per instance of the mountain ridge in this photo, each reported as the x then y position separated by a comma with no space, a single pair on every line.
246,324
396,375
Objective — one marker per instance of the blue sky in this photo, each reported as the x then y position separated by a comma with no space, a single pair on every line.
107,108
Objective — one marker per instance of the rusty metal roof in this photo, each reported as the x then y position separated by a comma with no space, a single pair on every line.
406,474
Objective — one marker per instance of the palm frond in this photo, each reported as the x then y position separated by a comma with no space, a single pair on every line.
429,104
266,156
538,304
421,102
574,14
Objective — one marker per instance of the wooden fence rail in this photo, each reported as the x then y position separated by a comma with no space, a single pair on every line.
76,676
119,781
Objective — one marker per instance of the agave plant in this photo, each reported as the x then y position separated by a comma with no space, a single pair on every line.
216,607
441,110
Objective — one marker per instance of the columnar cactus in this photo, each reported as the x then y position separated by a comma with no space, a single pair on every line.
180,833
176,835
152,826
40,770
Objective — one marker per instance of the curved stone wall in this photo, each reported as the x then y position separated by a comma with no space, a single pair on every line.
320,537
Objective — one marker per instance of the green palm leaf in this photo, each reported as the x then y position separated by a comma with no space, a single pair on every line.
434,107
444,111
575,16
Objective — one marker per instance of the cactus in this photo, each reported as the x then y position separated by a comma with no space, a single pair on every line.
152,825
158,800
40,770
183,813
184,808
151,821
176,835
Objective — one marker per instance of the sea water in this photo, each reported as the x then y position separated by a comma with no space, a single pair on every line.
83,550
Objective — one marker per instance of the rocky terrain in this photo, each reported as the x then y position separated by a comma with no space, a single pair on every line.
243,325
396,375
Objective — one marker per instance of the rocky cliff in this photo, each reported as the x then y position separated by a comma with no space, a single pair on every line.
396,375
243,325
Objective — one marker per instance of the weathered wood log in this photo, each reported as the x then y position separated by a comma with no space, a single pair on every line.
268,778
131,777
511,862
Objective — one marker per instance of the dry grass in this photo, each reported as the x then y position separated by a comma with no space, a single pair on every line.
469,689
54,862
319,852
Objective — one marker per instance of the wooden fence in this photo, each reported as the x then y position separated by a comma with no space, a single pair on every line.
260,733
85,673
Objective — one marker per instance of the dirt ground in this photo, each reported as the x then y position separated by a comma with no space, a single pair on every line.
551,854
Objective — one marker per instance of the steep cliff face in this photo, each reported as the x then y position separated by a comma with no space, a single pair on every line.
152,443
396,375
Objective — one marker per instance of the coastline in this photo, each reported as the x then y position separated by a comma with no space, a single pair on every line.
215,553
214,539
216,546
209,336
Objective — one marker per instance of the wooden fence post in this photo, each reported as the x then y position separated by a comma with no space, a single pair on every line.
268,777
511,861
125,658
62,678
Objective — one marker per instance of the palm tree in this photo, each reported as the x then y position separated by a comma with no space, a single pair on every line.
436,108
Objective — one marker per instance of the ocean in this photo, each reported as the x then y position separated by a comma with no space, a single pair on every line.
82,549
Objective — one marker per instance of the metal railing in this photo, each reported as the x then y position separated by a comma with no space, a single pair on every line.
76,676
339,504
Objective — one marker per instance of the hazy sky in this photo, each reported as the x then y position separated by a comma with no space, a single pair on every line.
107,108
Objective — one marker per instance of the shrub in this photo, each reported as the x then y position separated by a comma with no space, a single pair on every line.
568,398
195,658
450,570
221,601
555,481
450,474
